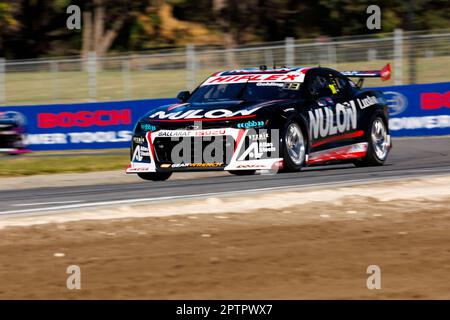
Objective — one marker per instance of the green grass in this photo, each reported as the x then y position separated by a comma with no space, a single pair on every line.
72,86
49,163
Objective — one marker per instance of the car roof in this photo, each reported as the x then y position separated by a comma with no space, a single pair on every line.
262,71
295,74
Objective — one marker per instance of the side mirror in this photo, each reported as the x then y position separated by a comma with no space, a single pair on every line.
183,96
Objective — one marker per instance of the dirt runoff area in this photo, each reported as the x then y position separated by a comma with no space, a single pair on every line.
312,244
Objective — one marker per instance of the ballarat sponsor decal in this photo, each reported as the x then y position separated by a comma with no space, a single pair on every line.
189,133
326,121
201,114
175,133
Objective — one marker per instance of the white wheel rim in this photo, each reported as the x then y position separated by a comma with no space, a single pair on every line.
379,139
295,143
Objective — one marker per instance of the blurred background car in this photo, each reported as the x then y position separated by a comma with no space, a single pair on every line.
12,132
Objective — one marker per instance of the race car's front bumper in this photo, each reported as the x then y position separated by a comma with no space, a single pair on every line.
247,151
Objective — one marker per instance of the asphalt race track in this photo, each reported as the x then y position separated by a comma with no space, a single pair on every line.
409,157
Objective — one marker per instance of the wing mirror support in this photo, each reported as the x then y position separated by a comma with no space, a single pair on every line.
360,83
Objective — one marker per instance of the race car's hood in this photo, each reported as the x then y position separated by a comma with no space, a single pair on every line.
214,111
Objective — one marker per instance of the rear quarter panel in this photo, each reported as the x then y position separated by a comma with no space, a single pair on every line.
371,103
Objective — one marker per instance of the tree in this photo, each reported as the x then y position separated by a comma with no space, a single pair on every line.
36,28
7,23
98,36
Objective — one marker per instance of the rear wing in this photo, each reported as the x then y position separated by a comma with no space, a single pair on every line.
384,74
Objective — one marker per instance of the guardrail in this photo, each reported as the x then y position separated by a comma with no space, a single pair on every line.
417,57
416,110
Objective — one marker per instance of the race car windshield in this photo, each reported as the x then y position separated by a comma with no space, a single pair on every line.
247,91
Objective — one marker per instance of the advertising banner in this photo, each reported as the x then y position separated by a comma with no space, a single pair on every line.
80,126
415,110
419,109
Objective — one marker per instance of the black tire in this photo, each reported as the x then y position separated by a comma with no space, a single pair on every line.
289,164
154,176
242,172
372,159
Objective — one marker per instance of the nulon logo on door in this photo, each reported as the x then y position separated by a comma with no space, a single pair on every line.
327,122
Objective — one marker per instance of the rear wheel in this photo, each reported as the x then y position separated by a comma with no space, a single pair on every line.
378,147
154,176
293,147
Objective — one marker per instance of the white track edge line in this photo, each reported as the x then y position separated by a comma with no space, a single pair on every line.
128,201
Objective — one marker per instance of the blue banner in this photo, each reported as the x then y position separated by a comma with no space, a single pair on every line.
419,109
415,110
97,125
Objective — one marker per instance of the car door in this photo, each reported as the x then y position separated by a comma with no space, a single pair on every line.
320,103
342,114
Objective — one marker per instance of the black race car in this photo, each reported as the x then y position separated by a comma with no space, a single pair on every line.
280,119
12,131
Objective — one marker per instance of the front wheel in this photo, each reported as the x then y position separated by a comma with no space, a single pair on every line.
154,176
378,147
293,147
